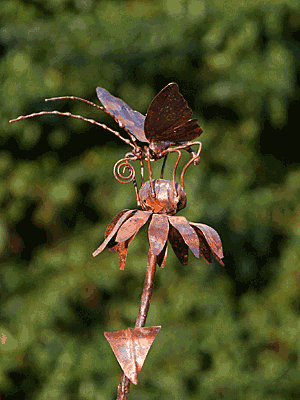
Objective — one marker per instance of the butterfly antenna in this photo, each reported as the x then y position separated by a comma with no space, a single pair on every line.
67,114
99,107
75,98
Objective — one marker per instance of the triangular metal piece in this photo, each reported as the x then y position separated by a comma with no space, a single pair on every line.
131,347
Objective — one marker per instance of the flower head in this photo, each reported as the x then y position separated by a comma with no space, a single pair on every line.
163,225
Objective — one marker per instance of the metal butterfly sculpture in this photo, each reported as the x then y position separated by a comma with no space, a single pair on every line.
167,123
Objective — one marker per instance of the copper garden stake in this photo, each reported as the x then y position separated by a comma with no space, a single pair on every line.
165,129
163,225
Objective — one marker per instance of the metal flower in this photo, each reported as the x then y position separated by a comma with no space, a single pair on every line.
159,211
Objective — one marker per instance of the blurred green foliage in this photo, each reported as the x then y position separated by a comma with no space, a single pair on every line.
230,333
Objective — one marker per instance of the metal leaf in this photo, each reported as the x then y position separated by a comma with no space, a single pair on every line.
131,347
158,232
187,232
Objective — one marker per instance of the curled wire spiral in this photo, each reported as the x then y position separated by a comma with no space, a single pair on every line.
119,175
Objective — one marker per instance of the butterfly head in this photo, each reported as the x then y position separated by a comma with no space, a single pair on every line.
157,147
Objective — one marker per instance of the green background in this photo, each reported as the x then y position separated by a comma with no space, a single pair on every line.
227,333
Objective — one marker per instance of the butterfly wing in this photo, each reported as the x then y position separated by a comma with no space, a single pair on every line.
131,120
168,116
188,131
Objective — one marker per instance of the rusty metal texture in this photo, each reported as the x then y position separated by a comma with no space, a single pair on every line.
165,200
213,240
158,233
122,249
132,225
113,231
131,347
204,248
123,388
178,245
112,245
189,235
182,234
113,222
129,230
147,290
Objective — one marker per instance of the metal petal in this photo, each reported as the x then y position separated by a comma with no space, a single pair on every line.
213,240
122,253
162,257
204,248
158,233
112,229
113,222
112,245
132,225
122,249
187,232
178,245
